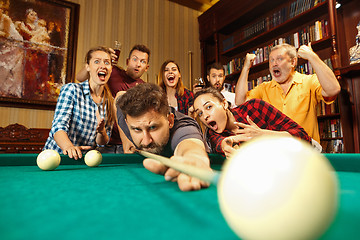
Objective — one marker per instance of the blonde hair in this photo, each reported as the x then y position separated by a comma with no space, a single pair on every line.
289,49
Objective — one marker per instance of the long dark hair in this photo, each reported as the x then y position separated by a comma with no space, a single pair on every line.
161,78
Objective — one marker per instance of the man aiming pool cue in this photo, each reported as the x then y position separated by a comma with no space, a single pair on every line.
146,119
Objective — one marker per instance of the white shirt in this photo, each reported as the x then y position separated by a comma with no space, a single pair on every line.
229,96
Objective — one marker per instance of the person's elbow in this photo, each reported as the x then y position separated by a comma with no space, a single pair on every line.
239,102
79,78
239,99
335,92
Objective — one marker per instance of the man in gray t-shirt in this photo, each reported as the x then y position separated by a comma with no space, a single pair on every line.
184,127
144,116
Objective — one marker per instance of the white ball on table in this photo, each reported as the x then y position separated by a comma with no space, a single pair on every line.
278,188
48,160
93,158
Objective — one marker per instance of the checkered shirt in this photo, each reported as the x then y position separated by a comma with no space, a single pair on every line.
76,115
185,101
264,115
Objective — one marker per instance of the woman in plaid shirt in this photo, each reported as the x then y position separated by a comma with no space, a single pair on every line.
229,127
84,112
169,79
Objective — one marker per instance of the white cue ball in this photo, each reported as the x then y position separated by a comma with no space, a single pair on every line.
93,158
278,188
48,159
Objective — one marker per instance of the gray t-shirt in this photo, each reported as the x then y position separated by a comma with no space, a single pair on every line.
184,127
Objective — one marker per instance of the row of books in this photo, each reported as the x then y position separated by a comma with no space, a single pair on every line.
306,67
254,82
328,109
317,31
251,83
301,6
332,146
330,128
234,65
269,22
303,36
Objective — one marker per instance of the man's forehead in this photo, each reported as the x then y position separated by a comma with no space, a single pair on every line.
214,70
139,54
149,118
278,52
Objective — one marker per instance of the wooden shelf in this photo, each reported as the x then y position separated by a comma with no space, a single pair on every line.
316,45
327,116
351,70
226,21
329,139
291,23
256,68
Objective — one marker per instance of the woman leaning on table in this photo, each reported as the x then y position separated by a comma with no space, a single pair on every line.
84,112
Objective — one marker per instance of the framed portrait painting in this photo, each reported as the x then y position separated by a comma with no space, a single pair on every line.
38,40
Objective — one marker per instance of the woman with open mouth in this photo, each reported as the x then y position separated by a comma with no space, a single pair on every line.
169,79
84,113
228,128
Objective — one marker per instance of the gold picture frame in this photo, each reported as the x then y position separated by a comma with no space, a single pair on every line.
38,41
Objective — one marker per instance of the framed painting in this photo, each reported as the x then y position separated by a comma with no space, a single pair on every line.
38,40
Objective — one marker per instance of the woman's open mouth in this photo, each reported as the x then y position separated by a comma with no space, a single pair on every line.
102,75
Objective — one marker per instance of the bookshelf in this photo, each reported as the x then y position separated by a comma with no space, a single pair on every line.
231,29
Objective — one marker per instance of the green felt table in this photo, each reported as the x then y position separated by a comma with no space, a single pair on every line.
122,200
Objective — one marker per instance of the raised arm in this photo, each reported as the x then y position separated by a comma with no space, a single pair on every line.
102,137
241,85
329,83
82,75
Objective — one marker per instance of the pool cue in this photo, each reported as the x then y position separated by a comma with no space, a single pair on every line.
202,174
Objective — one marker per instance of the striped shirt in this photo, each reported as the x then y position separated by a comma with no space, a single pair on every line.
75,114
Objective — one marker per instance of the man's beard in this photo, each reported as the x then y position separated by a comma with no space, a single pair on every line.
218,86
155,148
152,147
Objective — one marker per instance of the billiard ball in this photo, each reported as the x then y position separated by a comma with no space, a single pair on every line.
48,160
278,188
93,158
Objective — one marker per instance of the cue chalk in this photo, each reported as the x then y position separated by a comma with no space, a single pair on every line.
205,175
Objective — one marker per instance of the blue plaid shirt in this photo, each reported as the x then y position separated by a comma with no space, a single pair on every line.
76,115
